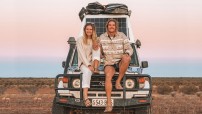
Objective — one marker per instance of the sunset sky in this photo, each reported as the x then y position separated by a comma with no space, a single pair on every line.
37,30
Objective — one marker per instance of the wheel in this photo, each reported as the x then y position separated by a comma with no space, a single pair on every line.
57,109
128,112
143,110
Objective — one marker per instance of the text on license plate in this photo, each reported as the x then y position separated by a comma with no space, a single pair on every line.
101,102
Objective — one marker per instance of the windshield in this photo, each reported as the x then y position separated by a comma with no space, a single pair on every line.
101,22
100,29
133,62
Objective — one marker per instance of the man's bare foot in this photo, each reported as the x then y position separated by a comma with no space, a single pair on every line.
118,86
108,108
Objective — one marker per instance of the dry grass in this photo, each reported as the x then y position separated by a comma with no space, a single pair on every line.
179,85
177,96
164,89
179,104
34,95
26,95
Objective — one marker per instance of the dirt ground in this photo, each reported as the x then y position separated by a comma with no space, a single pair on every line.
35,95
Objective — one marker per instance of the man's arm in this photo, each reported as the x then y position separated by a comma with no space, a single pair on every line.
100,46
126,45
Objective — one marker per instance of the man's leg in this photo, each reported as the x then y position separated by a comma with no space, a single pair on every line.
123,66
109,73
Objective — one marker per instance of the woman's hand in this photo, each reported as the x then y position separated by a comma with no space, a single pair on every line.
91,68
95,46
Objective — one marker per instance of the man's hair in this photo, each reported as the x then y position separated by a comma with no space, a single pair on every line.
116,24
94,35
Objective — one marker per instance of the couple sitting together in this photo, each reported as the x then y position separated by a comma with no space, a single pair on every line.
114,46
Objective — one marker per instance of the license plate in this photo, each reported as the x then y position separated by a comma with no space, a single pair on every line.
101,102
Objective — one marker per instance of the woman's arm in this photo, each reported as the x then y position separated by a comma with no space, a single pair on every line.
95,45
81,53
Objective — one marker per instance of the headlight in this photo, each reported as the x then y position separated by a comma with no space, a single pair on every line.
63,82
76,83
130,83
141,82
147,86
141,85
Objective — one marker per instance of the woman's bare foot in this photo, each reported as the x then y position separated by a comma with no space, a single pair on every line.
87,102
96,71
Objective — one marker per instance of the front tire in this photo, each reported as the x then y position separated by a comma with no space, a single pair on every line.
143,110
57,109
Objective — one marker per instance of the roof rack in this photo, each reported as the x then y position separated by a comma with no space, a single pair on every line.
95,8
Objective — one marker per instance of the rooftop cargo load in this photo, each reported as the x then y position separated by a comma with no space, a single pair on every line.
96,8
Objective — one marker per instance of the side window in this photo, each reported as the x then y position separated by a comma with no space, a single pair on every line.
134,58
75,58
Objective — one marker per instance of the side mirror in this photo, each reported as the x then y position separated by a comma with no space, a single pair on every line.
144,64
138,43
72,42
63,64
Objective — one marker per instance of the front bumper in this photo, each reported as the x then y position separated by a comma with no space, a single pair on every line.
118,103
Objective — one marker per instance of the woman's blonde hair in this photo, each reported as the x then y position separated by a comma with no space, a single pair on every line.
116,24
94,35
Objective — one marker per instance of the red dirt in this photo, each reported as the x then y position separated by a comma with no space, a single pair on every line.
35,95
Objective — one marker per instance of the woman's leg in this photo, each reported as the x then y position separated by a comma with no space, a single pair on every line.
96,59
95,66
85,97
85,93
86,77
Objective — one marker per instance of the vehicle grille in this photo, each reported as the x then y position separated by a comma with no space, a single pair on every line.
113,95
102,94
99,83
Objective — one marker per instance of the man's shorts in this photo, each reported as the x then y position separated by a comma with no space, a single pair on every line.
116,66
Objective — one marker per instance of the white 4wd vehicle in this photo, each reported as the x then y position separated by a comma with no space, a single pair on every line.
135,98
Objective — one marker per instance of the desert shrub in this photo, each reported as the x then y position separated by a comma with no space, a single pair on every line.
200,87
189,89
30,89
52,86
2,89
173,94
164,89
198,94
176,87
23,89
